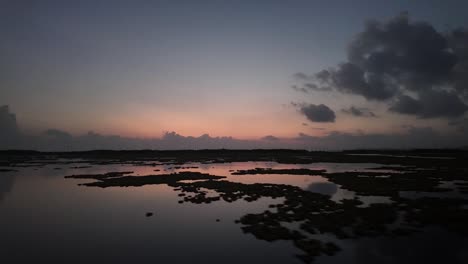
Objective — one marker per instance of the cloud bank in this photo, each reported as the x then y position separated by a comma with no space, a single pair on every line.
408,65
57,140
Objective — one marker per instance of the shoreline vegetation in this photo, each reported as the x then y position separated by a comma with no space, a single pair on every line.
417,157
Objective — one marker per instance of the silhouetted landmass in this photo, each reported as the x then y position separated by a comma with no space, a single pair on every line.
279,171
7,170
100,176
394,168
420,158
80,167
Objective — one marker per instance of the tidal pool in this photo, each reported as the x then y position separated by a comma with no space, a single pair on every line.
47,218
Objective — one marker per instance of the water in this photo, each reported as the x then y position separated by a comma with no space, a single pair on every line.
45,218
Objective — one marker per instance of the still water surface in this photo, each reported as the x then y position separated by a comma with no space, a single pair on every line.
45,218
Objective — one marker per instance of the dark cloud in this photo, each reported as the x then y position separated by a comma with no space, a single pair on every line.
430,104
57,134
352,79
9,132
294,104
318,113
8,124
412,53
359,111
270,138
172,140
299,89
390,59
301,76
308,87
58,139
314,87
406,105
458,40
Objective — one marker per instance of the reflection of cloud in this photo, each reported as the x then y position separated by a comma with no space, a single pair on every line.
326,188
6,184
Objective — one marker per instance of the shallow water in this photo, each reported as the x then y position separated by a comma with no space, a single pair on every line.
46,218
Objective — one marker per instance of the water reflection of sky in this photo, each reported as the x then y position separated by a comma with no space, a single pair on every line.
48,219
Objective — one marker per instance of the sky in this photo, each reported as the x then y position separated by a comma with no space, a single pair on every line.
239,74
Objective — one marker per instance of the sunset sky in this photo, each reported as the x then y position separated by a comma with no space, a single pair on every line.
241,69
